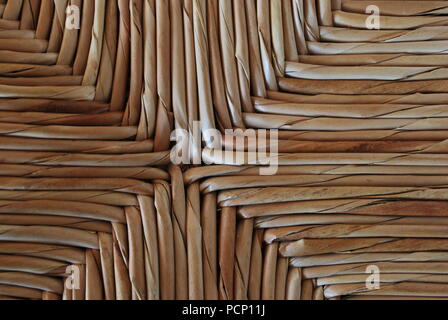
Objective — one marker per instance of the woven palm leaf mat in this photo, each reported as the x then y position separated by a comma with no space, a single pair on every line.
91,206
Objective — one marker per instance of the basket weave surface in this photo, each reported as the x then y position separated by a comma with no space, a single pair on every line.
86,182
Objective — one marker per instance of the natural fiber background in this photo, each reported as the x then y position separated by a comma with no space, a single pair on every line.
85,176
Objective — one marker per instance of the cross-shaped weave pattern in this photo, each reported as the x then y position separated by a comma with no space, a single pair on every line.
91,206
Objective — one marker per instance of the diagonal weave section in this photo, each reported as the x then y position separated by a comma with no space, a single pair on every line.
313,70
86,189
114,225
92,64
313,232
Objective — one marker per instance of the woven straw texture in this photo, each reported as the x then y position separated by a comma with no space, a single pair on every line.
87,187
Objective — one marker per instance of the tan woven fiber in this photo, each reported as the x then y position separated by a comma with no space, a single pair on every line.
93,208
362,135
301,235
83,196
315,72
86,83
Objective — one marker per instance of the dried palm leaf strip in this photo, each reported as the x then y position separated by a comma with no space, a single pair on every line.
354,231
322,98
412,47
324,219
48,220
399,289
206,112
393,111
383,202
346,186
324,10
58,26
295,123
53,106
67,132
278,47
396,8
363,146
78,209
221,104
190,66
242,54
47,92
96,45
133,109
334,34
299,25
24,45
384,207
45,118
344,259
84,40
98,197
363,135
149,93
165,240
17,34
397,159
264,35
194,244
50,235
79,184
311,20
109,54
385,279
290,44
437,60
358,21
243,246
361,87
145,173
258,87
86,160
121,72
227,39
209,225
32,265
44,21
196,174
178,72
49,81
164,67
180,232
9,24
30,14
90,146
60,253
309,247
391,73
20,292
387,267
26,70
69,41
